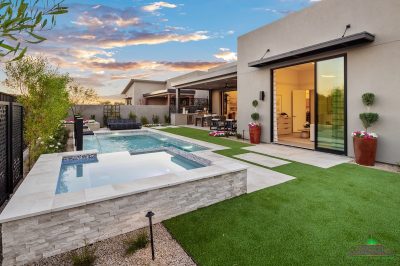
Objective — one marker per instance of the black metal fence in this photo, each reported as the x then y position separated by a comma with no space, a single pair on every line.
11,147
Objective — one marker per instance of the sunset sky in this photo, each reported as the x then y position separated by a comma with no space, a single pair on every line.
103,44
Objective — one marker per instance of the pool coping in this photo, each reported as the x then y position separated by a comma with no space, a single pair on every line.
36,195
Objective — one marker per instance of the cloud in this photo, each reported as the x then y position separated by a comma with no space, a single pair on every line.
150,65
152,39
111,20
84,48
158,5
283,12
104,16
226,54
107,27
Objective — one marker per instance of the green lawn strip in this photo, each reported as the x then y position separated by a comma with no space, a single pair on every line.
203,135
316,219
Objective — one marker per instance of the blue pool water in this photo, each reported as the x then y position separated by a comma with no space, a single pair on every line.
116,142
119,167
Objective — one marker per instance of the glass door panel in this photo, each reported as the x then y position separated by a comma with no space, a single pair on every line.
330,77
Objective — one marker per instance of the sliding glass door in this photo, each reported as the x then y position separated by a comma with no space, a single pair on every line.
331,105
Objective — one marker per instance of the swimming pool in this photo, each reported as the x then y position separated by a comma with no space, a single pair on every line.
134,141
119,167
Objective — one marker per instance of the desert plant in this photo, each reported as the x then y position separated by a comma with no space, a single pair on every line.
43,93
84,257
144,120
21,23
79,95
132,116
368,119
138,242
167,119
155,119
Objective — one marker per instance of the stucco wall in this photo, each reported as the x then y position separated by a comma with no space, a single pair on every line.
370,68
140,110
139,88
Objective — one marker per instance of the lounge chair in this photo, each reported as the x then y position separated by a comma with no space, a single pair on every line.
123,124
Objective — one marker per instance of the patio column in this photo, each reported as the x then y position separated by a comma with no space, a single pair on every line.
210,101
168,100
178,96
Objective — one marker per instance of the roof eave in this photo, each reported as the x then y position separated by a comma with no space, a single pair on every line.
336,44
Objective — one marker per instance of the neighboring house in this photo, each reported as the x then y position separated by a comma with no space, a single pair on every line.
151,92
136,88
310,67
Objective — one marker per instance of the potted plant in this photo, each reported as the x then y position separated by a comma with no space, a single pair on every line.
365,143
255,127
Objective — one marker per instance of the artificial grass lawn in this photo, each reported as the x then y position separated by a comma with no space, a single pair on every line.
316,219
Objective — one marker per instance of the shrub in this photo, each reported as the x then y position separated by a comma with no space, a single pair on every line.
239,136
368,119
255,103
167,119
138,242
85,257
144,120
155,119
368,99
132,116
255,117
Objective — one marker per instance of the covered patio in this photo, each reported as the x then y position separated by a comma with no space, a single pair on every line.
168,97
221,112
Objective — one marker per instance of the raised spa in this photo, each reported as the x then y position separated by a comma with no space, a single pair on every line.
119,167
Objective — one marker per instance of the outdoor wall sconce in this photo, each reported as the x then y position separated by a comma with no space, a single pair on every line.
262,95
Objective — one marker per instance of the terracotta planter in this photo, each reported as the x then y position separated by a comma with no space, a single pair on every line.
255,134
365,150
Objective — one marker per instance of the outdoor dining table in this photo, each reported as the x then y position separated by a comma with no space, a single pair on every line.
202,119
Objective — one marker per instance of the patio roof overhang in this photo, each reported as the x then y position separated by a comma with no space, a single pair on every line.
332,45
217,78
172,92
228,81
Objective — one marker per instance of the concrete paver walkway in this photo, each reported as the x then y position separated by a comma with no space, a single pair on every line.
257,177
315,158
261,159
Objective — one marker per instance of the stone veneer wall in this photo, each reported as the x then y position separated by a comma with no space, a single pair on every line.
30,239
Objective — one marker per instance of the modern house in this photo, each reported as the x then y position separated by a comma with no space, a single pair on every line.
309,71
314,66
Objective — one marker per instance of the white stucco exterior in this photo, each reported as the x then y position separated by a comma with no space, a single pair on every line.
373,67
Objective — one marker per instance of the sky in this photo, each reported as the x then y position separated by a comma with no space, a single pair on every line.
104,44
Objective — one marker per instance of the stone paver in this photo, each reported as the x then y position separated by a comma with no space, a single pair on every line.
315,158
257,177
261,159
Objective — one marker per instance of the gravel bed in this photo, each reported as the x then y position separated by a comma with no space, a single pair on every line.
112,252
384,167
